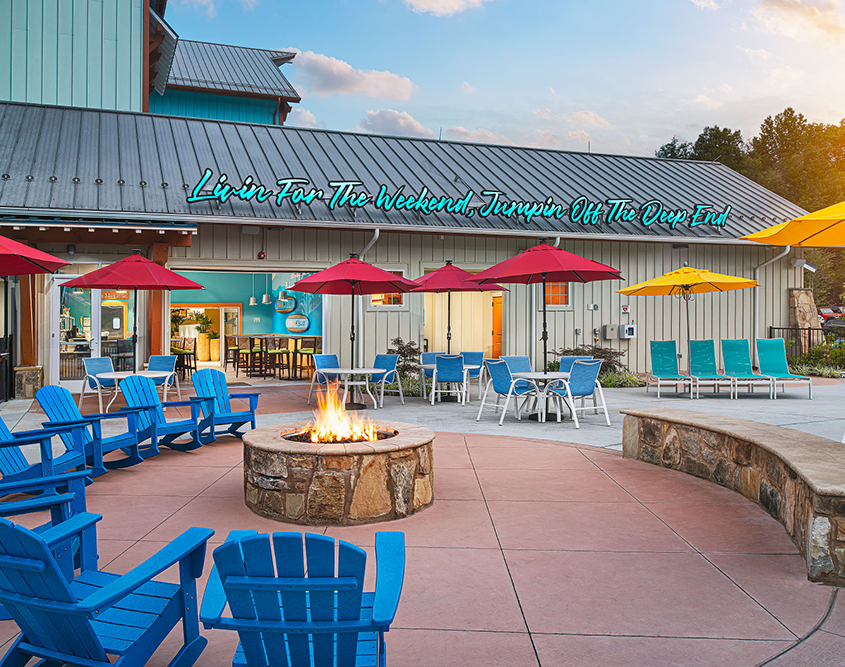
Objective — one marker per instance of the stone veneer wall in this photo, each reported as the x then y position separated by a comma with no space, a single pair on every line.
798,478
338,489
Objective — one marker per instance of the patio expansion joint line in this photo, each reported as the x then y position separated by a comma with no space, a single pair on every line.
502,552
812,631
703,555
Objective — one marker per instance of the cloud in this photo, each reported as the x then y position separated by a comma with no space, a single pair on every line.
467,88
443,7
547,140
801,20
482,136
389,121
578,135
587,118
300,117
784,77
208,5
705,4
726,88
552,91
329,76
249,4
545,114
704,101
755,54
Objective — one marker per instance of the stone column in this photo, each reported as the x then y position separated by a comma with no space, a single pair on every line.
803,314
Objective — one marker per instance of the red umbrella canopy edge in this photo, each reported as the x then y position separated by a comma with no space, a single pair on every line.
450,278
17,259
545,262
353,277
133,272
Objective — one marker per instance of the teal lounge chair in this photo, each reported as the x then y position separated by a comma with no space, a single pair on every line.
702,363
736,356
664,367
771,355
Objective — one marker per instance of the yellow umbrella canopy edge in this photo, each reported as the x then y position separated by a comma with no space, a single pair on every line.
820,229
688,280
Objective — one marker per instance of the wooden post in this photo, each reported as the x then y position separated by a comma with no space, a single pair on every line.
28,323
155,311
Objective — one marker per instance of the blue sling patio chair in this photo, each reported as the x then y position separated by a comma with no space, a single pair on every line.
211,384
736,357
567,361
426,359
703,370
14,464
323,379
311,611
583,383
504,384
85,620
93,366
60,409
141,395
771,355
449,370
165,363
475,359
664,367
379,380
518,363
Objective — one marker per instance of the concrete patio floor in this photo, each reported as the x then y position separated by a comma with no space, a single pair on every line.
536,551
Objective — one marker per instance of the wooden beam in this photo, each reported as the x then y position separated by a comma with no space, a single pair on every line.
28,322
145,66
155,311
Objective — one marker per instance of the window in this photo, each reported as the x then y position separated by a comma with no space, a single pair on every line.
557,294
396,299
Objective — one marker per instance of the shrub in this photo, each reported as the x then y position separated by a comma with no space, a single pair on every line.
612,358
409,355
620,378
829,353
820,370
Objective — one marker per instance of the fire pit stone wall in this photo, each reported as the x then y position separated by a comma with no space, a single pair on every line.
338,484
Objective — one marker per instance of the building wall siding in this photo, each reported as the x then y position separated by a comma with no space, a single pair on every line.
717,316
84,53
219,107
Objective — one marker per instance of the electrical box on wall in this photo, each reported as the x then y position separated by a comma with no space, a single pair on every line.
627,330
609,332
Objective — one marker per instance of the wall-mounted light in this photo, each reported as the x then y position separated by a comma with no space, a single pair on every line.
71,249
804,264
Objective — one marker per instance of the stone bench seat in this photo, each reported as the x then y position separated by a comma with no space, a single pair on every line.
798,478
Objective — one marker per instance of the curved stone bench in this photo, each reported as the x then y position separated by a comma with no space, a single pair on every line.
798,478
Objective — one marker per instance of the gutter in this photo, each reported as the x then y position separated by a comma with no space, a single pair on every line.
757,296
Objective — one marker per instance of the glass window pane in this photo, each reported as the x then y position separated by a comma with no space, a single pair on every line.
74,332
117,312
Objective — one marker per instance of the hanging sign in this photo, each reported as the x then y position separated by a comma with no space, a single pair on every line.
581,210
297,323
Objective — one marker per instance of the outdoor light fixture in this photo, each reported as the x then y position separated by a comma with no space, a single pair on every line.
804,264
266,299
252,301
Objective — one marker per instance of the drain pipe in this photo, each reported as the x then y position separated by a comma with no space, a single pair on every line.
757,295
360,300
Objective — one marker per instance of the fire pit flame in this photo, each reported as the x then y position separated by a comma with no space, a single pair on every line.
332,423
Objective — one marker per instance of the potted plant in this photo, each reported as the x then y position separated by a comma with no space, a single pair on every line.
204,323
176,320
214,345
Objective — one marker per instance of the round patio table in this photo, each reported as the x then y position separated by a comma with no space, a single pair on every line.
431,367
543,380
117,376
346,376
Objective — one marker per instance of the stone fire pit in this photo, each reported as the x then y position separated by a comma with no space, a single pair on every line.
338,484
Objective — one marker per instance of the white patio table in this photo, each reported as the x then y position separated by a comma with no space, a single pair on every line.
117,376
543,380
347,377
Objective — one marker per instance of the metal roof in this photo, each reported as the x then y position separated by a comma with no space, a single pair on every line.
233,69
60,161
167,49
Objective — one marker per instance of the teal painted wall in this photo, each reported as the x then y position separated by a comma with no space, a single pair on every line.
217,107
83,53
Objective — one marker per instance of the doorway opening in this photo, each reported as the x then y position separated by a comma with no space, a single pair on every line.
476,322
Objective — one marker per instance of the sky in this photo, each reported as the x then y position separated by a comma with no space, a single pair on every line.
617,76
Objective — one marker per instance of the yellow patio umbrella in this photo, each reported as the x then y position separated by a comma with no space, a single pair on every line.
685,283
822,229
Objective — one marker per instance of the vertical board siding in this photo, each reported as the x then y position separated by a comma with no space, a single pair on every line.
217,107
85,53
717,316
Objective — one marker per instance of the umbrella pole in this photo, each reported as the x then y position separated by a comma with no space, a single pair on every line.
689,337
352,332
135,335
545,329
449,322
351,404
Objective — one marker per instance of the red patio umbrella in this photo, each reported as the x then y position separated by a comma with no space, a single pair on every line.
543,263
353,277
134,272
17,259
450,278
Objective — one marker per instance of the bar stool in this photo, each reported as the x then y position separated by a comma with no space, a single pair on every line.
278,356
307,350
231,352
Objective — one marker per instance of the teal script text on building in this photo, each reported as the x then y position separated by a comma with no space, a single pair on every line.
486,203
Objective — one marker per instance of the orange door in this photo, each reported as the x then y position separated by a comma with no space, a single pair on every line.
497,327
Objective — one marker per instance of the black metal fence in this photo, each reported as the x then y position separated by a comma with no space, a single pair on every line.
800,341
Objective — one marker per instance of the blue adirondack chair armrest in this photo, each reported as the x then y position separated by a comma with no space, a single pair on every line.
68,529
190,401
41,483
136,408
88,420
390,573
190,544
214,597
50,427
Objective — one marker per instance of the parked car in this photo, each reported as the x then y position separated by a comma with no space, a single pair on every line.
834,325
825,314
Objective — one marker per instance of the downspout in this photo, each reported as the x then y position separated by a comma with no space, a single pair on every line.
757,295
370,244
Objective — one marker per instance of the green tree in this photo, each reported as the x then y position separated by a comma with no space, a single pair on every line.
677,149
717,144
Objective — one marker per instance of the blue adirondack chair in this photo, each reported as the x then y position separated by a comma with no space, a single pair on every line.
82,621
141,395
60,409
210,383
284,617
13,464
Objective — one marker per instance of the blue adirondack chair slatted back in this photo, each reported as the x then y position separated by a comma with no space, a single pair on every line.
94,365
12,459
27,567
664,358
209,382
59,406
771,353
252,557
702,358
388,363
139,391
737,357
